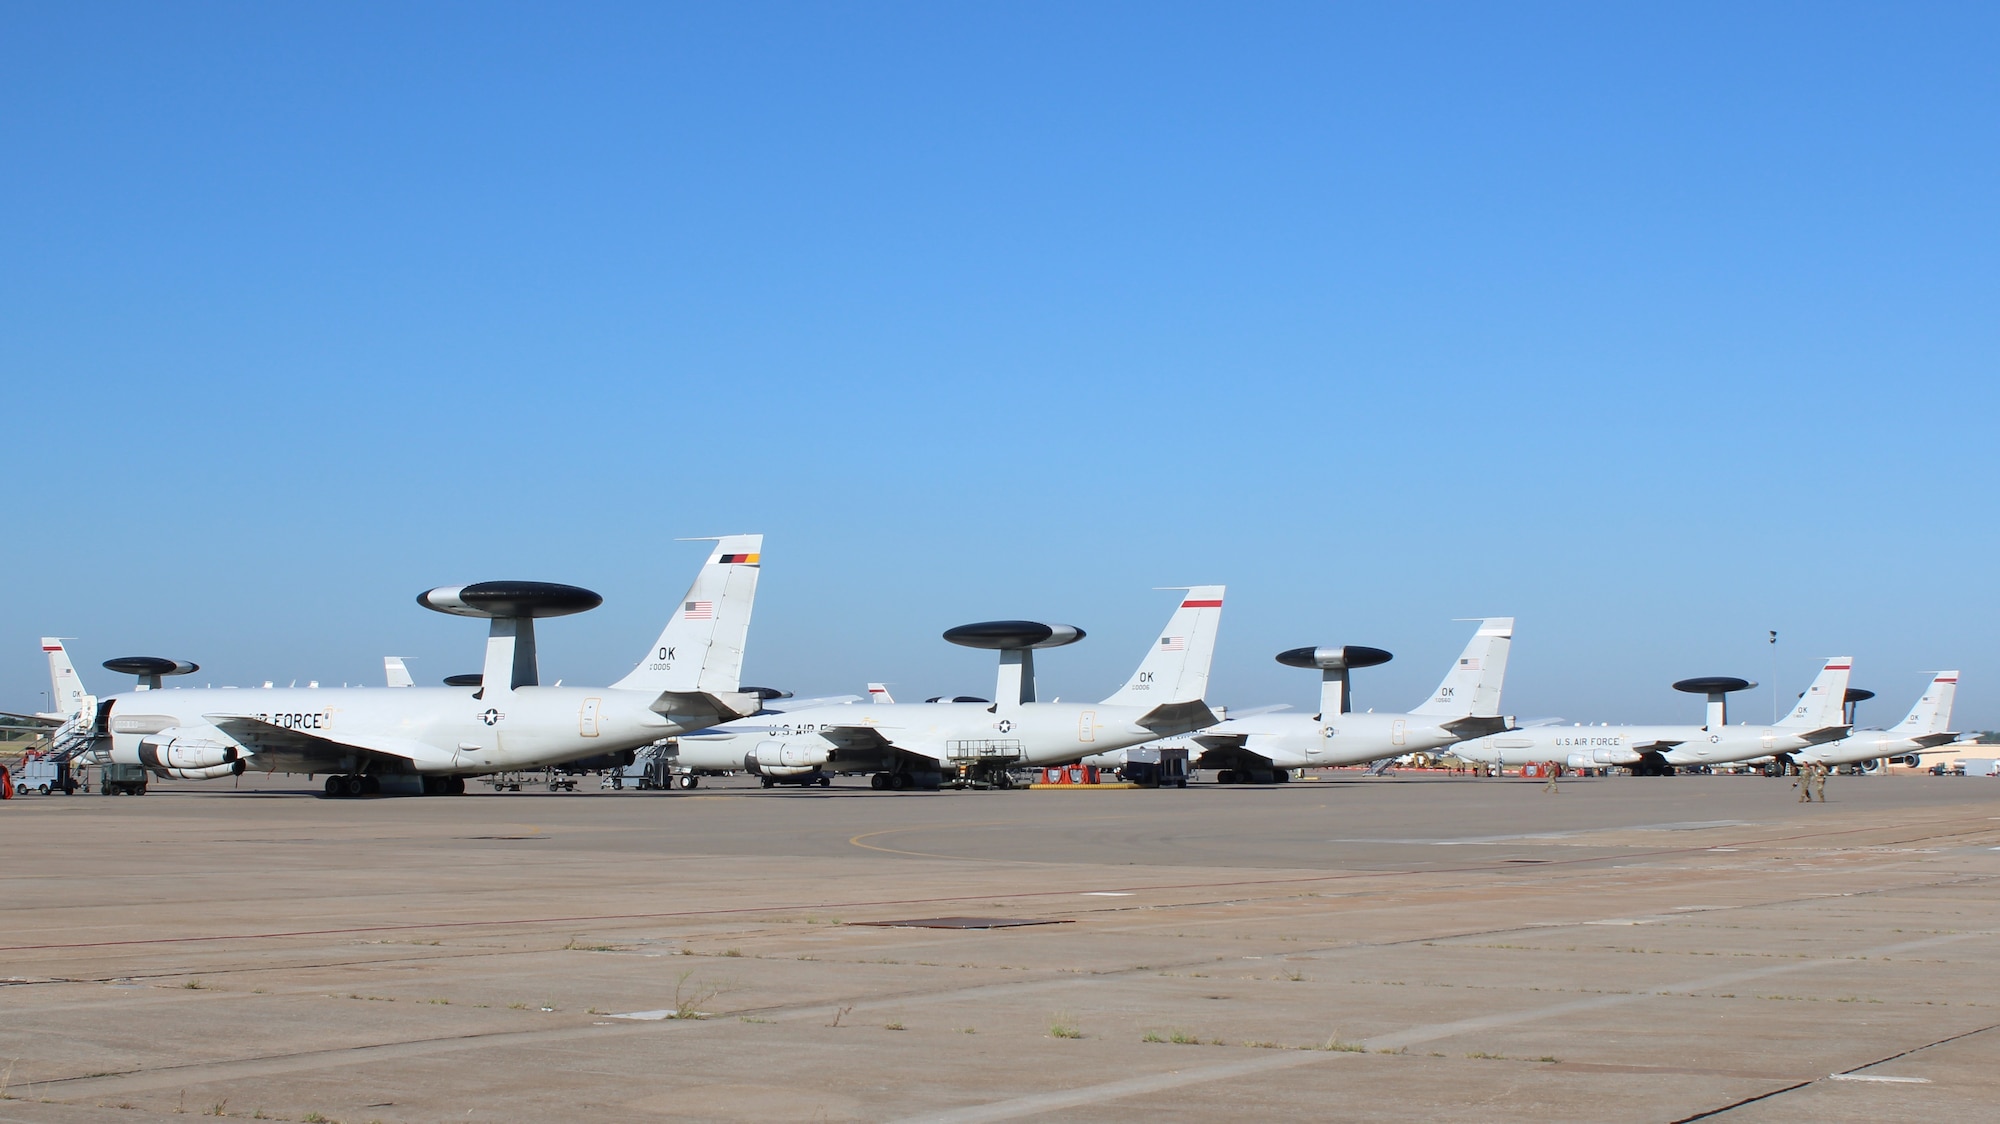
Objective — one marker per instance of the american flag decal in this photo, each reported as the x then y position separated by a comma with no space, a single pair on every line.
1471,664
699,611
1173,643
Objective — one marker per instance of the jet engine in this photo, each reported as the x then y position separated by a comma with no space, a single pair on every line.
232,769
183,749
776,758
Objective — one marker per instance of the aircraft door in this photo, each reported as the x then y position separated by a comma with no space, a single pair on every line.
1086,726
1398,732
586,719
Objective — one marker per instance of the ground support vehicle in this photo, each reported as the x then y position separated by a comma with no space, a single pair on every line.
121,780
1155,767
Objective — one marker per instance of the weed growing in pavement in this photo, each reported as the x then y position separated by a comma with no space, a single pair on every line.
690,994
1064,1026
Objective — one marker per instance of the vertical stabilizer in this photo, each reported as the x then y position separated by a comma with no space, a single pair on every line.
1824,705
1932,714
66,693
878,693
395,673
1472,687
1176,667
701,649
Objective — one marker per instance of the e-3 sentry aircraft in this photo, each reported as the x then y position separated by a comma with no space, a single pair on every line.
1660,750
1924,729
429,739
919,745
1262,748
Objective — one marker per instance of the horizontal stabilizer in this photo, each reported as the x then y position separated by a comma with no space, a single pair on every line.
1168,719
695,710
1477,726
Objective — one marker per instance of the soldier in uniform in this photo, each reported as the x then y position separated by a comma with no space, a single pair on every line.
1805,783
1819,781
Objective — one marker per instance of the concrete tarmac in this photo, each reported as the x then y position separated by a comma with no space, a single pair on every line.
1394,948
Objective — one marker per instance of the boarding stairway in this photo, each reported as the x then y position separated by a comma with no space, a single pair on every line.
73,739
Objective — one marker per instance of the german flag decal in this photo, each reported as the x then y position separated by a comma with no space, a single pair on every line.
1216,604
746,559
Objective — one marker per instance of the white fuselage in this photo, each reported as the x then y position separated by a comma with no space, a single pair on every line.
949,734
1301,741
439,730
1588,747
1859,746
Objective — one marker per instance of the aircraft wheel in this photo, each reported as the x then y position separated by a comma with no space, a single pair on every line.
826,782
899,781
333,786
1225,776
768,782
1282,776
352,786
879,781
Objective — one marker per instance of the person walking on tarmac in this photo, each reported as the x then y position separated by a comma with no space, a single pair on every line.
1819,781
1805,783
1552,771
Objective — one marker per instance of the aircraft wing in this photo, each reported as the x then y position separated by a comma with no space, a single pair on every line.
298,751
29,721
1661,744
1931,741
1253,711
780,706
1221,741
1825,734
869,739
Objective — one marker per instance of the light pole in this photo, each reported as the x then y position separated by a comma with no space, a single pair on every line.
1774,677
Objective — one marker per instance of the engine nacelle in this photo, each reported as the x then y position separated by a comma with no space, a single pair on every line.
232,769
786,758
185,749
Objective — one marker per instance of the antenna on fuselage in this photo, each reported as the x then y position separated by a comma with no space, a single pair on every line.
149,669
1334,664
1718,688
1016,642
512,606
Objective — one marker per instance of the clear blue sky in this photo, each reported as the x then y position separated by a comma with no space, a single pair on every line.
1654,326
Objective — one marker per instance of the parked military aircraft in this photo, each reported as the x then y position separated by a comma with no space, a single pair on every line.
1925,728
429,739
1261,748
907,745
1659,750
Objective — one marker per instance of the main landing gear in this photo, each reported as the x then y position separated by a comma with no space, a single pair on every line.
355,784
898,782
348,785
1251,776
